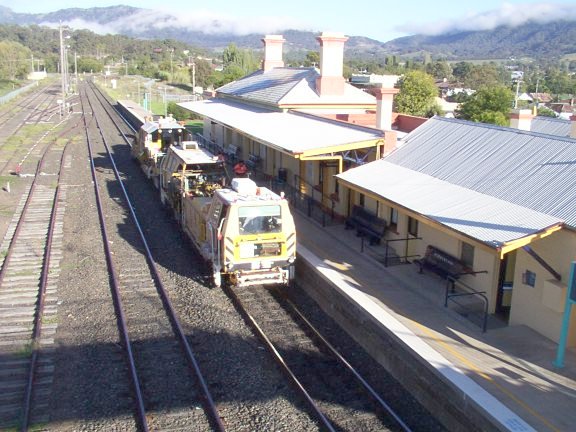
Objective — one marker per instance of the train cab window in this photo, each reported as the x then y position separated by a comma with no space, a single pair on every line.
260,220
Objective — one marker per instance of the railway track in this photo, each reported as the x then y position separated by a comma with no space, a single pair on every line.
166,382
32,251
330,387
16,147
336,393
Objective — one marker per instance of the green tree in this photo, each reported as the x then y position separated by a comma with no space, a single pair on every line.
203,71
14,60
488,105
417,95
485,75
546,112
237,63
312,59
461,71
179,113
439,70
89,65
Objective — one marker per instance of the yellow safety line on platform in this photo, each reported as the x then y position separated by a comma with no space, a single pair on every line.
478,371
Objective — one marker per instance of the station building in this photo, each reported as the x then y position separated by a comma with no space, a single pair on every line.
301,126
500,199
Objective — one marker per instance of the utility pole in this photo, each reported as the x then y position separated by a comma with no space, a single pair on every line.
193,76
76,68
165,104
63,82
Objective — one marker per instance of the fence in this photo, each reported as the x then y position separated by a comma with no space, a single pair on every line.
8,97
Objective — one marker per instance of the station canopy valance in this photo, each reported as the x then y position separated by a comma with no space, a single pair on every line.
293,133
494,222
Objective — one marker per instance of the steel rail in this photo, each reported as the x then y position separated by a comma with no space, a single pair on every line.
141,413
344,362
207,396
40,302
11,159
280,360
7,258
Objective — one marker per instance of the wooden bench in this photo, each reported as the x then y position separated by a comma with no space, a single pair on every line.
442,263
366,224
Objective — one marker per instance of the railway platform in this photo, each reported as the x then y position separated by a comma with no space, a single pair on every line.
501,379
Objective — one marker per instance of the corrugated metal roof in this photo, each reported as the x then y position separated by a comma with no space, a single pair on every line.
479,216
529,169
269,87
291,132
551,126
291,86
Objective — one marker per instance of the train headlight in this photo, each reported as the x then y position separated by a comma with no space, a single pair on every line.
247,250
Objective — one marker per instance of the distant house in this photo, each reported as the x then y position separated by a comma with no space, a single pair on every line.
563,109
500,199
543,98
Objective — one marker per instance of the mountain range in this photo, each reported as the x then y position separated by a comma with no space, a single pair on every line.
532,39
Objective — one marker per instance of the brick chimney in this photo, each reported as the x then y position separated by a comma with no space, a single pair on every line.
384,102
521,119
272,52
573,126
331,82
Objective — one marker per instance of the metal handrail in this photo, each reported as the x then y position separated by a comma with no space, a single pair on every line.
406,256
451,293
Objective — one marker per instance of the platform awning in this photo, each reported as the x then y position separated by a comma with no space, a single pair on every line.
495,223
296,134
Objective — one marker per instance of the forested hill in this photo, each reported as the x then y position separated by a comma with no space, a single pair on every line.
532,39
544,41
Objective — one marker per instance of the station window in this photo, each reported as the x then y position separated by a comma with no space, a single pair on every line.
467,254
393,219
362,200
412,226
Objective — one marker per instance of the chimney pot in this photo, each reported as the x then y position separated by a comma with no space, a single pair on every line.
521,119
384,103
331,82
272,52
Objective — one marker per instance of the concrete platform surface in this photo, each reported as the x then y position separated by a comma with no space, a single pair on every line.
507,372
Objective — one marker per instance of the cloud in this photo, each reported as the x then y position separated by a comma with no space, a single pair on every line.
198,20
87,25
508,15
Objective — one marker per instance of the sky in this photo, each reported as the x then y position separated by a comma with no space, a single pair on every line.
377,19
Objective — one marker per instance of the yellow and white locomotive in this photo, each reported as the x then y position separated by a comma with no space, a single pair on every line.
152,141
188,170
246,232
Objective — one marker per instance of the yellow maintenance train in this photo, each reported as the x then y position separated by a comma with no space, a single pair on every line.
245,232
